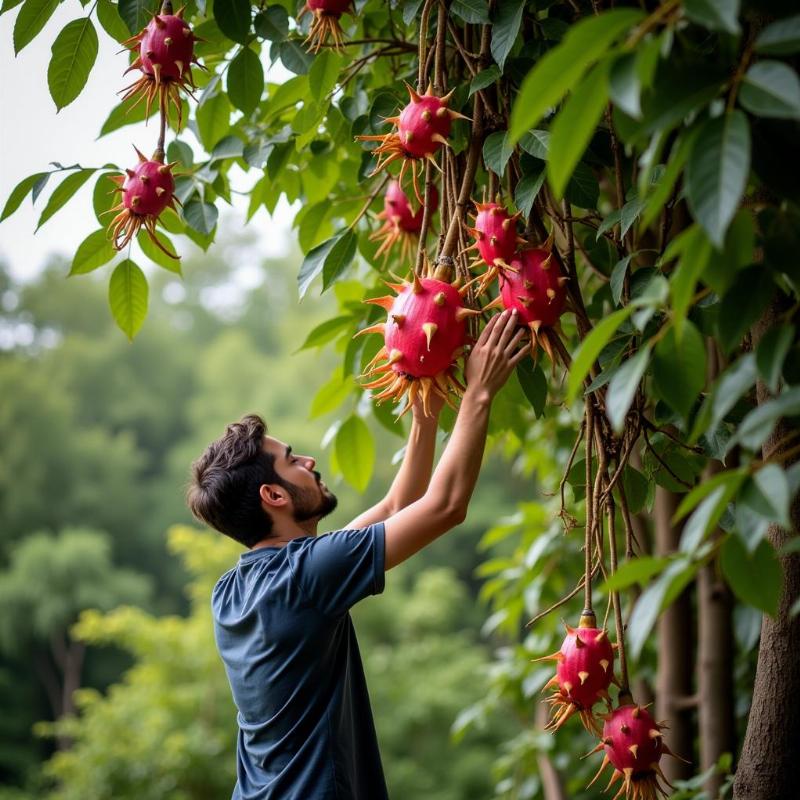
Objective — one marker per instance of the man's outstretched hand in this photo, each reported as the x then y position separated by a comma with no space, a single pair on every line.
495,354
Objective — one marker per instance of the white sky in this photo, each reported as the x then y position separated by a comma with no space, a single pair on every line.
32,135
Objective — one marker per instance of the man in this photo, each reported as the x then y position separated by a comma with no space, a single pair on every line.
281,615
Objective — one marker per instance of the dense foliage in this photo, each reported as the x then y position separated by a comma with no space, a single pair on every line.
651,146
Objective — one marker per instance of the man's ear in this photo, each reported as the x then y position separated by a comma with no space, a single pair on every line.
273,495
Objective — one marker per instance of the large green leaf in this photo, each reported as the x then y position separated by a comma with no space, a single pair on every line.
533,382
780,38
213,120
695,250
111,22
30,20
323,74
717,15
637,570
679,367
64,191
233,18
771,89
272,23
562,67
623,386
156,254
127,296
245,80
497,151
590,348
574,126
355,452
313,264
201,216
136,13
758,424
20,192
717,171
94,251
506,21
756,579
73,54
473,11
771,353
326,332
339,258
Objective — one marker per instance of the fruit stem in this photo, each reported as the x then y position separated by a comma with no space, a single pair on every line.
587,545
166,7
612,547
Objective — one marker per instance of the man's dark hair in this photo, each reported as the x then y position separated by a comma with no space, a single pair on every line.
226,479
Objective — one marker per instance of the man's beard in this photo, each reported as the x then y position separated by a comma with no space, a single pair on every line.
309,504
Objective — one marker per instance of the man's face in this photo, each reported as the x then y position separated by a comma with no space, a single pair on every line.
311,498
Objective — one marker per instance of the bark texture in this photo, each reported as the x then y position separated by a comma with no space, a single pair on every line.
674,692
771,752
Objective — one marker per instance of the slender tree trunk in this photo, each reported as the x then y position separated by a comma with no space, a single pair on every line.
771,752
674,694
72,676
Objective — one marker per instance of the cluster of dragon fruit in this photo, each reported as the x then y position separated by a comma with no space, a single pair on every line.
430,319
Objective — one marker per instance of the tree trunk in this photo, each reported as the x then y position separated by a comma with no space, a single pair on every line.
674,694
715,648
771,753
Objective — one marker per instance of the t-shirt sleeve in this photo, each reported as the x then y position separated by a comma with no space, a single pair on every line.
338,569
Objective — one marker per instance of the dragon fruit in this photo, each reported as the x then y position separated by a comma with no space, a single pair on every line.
326,25
496,239
147,190
400,223
424,335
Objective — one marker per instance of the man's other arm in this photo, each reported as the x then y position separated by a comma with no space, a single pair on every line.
444,504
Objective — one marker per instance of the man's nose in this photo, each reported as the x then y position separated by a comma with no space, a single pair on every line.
310,462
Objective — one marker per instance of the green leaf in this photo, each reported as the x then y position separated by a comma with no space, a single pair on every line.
716,15
200,216
484,78
94,251
64,191
111,22
233,18
313,264
636,488
720,271
716,172
653,599
472,11
213,120
742,305
756,579
624,86
245,80
314,226
506,21
339,258
355,452
623,386
127,296
496,152
695,251
20,192
679,368
31,19
573,127
528,189
272,23
135,13
617,281
739,378
562,67
326,332
771,353
758,424
583,190
73,54
126,114
331,395
533,382
158,256
771,89
294,56
537,143
590,348
767,494
637,570
324,74
709,512
780,38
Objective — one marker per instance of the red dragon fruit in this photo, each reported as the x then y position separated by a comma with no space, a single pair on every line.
165,55
400,223
584,671
422,128
633,745
534,286
424,335
326,23
147,190
496,239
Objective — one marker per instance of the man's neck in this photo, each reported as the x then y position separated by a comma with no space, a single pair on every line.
287,531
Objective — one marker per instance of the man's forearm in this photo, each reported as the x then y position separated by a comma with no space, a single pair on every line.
413,477
457,471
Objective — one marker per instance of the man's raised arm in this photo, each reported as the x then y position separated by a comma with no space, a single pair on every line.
444,504
414,474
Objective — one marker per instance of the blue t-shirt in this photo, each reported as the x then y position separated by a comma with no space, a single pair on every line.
283,630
